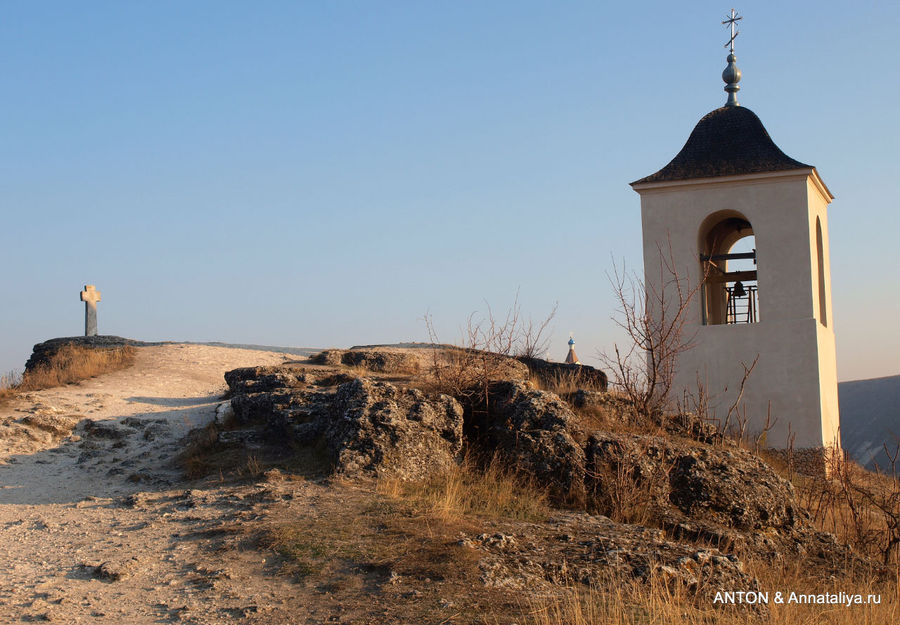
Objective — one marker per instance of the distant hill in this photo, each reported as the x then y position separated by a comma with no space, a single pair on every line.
870,417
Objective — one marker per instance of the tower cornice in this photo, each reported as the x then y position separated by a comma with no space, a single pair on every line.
757,178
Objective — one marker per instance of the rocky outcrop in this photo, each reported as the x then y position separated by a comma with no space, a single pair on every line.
372,427
672,480
582,376
42,353
266,395
647,500
368,427
534,431
264,379
375,428
379,429
728,487
578,548
382,360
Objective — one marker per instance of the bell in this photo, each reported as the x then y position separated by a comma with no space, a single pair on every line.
738,290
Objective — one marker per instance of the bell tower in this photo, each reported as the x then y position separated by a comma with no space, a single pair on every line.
735,214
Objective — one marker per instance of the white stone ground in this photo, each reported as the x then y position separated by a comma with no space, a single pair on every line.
64,508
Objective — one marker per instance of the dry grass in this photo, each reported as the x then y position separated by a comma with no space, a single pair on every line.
9,384
621,601
196,460
564,382
73,364
860,507
70,364
471,489
363,550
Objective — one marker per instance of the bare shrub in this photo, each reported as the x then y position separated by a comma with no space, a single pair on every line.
532,342
862,508
488,344
653,317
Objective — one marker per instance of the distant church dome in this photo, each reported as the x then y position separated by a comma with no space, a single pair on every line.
728,141
571,357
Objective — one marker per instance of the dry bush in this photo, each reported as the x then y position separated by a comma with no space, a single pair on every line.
472,488
860,507
487,346
653,317
73,363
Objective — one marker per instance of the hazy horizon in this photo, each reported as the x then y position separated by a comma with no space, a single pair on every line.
318,175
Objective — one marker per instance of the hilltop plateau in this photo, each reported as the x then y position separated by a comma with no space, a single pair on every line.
420,484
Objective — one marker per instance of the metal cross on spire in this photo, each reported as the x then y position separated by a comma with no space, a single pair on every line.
734,33
732,75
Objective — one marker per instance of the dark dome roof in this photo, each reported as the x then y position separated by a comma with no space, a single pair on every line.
728,141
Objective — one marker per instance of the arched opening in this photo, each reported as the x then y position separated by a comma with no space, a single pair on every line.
728,265
820,257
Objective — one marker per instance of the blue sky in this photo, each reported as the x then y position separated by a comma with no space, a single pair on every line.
324,173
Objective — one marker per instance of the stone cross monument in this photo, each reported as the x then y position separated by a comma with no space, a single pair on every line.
90,296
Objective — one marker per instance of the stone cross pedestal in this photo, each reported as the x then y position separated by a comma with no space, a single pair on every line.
90,296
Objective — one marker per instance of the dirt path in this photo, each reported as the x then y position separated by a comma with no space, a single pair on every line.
95,528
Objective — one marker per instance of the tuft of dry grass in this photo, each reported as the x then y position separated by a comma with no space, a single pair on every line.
9,384
564,382
473,489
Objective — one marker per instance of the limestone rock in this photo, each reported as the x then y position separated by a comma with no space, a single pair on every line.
730,487
248,380
260,407
107,430
56,424
378,428
575,547
369,427
582,376
380,359
43,352
536,432
734,487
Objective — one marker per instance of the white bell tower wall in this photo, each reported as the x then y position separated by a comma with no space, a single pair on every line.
793,386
